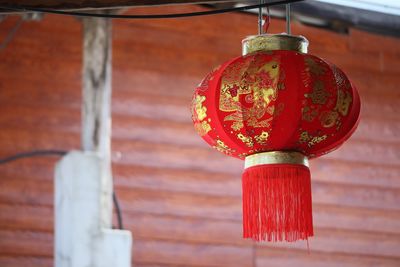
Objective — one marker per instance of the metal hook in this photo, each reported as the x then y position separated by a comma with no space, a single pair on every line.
263,24
260,19
267,20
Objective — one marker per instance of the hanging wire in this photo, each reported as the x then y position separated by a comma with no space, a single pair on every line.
288,29
267,20
260,18
150,16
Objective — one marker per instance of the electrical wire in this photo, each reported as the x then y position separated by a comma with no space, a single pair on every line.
35,153
118,210
11,34
40,153
148,16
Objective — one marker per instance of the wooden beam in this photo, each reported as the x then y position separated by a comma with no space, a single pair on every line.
99,4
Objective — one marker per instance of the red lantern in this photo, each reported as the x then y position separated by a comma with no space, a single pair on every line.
276,107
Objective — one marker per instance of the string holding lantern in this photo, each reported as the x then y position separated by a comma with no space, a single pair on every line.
276,107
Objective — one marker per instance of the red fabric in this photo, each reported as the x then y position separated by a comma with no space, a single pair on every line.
297,101
277,203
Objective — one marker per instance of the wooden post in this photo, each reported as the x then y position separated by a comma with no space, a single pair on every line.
96,102
96,117
83,184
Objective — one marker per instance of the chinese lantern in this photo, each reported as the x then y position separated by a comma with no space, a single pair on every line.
276,107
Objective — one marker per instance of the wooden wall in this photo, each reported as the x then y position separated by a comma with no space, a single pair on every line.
180,198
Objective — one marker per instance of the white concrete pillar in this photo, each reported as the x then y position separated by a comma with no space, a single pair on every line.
80,238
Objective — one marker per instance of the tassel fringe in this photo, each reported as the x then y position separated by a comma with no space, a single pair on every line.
277,203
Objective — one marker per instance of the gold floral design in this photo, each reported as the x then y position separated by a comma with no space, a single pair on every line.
262,138
314,67
329,118
237,125
202,127
222,147
316,140
319,95
242,155
246,139
200,110
344,100
305,137
256,82
309,113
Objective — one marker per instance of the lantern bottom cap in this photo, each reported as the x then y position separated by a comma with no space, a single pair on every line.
276,157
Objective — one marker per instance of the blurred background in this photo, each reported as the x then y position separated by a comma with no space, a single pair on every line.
179,197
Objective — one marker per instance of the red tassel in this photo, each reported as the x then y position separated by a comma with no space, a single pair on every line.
277,202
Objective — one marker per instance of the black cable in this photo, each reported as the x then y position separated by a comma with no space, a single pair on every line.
38,153
35,153
151,16
118,210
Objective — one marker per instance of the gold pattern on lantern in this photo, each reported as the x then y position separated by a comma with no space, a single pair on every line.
340,78
200,110
262,138
314,67
316,140
242,155
222,147
237,125
270,110
305,137
344,100
246,139
309,113
202,127
319,95
328,118
257,81
268,95
253,122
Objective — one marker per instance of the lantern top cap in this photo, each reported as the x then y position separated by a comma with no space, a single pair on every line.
270,42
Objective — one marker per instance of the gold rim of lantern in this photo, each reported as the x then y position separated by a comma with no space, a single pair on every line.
275,157
271,42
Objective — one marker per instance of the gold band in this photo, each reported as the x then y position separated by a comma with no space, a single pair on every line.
270,42
275,157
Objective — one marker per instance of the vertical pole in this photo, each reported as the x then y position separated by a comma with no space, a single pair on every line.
288,29
260,18
83,183
96,81
96,103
